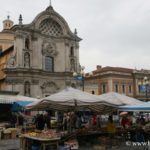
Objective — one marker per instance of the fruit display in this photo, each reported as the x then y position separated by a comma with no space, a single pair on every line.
49,134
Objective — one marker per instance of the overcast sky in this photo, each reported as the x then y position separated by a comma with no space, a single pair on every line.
114,32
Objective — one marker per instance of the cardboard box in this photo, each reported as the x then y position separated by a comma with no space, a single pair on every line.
13,134
7,135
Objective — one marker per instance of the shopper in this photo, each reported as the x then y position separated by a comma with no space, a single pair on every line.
47,120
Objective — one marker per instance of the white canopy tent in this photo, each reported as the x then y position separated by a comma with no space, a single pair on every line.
119,99
10,99
70,99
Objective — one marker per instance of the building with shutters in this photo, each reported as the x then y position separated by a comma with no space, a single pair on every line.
118,79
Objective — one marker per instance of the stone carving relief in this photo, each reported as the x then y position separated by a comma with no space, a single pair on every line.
49,87
49,49
34,81
14,81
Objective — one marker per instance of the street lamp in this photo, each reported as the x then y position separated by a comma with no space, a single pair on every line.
80,76
144,85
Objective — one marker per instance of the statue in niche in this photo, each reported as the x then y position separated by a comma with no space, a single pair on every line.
12,61
26,60
72,63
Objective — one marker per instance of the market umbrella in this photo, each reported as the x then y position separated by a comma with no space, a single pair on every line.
71,99
123,113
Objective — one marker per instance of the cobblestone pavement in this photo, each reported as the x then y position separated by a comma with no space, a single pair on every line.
14,144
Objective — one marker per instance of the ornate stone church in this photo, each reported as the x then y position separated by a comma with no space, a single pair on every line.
39,58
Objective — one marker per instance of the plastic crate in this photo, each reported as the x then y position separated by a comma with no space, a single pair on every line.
64,148
36,148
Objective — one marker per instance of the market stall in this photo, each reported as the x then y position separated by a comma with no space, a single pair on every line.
71,101
39,140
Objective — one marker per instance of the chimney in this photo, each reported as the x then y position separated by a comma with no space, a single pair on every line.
98,67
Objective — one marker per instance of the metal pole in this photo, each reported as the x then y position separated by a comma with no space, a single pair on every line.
82,83
146,93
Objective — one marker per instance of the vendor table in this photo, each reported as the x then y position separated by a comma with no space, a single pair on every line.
26,142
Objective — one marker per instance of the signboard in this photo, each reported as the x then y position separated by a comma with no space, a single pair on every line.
143,88
80,78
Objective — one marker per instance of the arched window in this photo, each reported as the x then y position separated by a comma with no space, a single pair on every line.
49,64
26,60
104,88
123,88
27,88
116,88
27,43
130,88
71,51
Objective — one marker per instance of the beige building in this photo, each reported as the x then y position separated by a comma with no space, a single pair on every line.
38,59
126,81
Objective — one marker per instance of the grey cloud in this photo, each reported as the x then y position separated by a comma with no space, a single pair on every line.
114,32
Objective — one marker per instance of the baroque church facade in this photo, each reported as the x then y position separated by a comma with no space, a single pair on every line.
38,59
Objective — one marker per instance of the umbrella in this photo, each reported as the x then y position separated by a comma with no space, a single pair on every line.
123,113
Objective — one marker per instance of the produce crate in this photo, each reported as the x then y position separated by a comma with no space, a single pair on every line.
13,134
103,140
99,147
7,134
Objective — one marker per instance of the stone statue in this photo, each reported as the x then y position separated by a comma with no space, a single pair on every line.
72,63
12,61
27,60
